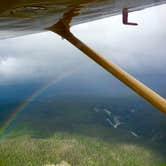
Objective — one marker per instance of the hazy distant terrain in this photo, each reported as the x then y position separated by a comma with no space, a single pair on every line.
85,130
87,118
93,121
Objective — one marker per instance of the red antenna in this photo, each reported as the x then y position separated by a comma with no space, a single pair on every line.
125,17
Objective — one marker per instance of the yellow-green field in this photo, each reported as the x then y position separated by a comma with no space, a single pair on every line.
76,150
81,136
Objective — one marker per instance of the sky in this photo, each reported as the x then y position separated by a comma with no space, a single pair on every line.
140,50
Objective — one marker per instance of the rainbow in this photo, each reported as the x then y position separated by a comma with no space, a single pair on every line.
6,124
20,108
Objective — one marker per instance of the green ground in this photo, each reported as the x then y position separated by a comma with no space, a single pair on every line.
76,150
75,133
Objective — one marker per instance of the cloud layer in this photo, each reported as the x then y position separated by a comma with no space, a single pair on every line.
140,50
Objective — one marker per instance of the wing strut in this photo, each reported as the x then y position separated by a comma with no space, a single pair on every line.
62,28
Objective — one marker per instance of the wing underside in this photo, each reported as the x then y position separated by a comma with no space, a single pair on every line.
21,17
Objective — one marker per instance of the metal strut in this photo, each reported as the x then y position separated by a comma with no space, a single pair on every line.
125,13
152,97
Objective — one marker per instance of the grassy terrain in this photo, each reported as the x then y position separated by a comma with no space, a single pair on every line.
76,150
70,130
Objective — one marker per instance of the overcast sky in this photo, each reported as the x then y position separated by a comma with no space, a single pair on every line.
140,49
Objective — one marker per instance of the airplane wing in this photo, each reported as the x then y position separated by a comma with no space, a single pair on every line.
21,17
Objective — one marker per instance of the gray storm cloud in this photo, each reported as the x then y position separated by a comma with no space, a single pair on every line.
43,56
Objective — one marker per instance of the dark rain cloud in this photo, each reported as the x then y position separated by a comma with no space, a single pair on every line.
139,50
